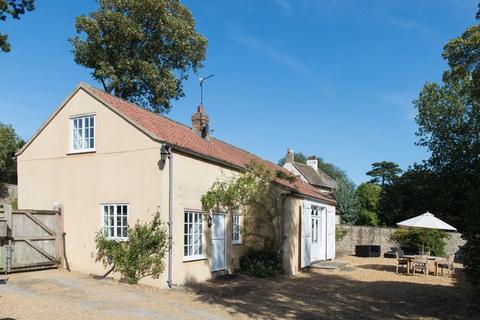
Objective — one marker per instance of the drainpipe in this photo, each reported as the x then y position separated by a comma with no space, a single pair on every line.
166,153
283,197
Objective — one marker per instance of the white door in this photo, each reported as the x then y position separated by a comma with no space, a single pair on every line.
330,234
218,242
319,233
306,240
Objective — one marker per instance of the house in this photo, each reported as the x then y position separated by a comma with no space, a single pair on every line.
109,163
309,172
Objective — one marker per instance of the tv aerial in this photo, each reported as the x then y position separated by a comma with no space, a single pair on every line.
202,82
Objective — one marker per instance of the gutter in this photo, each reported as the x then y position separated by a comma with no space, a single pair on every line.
166,153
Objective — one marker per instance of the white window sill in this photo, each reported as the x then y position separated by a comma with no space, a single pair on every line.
117,239
236,242
194,258
81,151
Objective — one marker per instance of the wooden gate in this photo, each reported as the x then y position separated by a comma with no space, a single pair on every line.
33,241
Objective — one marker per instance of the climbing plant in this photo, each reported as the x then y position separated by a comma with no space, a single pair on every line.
255,195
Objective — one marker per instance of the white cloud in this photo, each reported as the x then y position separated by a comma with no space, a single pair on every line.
270,52
401,101
285,5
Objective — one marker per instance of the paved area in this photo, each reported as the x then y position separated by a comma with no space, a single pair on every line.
367,288
329,265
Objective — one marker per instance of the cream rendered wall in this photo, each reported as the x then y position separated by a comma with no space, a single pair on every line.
291,225
124,169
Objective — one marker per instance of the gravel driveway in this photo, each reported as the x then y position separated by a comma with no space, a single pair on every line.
366,289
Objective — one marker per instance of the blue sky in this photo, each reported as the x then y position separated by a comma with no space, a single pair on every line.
334,78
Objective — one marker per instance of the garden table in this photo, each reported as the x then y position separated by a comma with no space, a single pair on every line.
434,259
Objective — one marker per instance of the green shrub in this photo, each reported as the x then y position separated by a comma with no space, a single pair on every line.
262,263
141,255
340,233
471,251
368,218
417,237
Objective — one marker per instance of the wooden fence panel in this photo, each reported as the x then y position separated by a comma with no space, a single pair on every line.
32,240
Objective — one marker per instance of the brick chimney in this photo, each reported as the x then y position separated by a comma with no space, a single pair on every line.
200,123
290,156
313,162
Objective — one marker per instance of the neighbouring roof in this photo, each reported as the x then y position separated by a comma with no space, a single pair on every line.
316,178
183,139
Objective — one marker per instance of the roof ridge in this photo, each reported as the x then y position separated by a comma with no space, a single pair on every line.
135,105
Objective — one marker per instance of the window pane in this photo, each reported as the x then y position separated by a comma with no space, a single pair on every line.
124,234
185,251
125,222
119,232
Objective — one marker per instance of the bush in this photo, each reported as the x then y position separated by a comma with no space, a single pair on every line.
416,237
141,255
368,218
262,263
340,233
471,251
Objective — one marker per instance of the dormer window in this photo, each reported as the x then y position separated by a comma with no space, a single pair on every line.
83,133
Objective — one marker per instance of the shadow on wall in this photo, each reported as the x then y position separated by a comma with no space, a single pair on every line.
327,296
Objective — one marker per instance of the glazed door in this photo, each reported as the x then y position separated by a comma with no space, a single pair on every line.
218,242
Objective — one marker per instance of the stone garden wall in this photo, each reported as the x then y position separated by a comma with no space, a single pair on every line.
8,193
357,235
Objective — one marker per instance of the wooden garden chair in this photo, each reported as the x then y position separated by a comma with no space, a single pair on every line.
401,260
420,263
447,264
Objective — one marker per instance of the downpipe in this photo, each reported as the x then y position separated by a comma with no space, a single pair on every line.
166,153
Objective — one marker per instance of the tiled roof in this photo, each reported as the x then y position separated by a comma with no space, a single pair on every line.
316,178
183,138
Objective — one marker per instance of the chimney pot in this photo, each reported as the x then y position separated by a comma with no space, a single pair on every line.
312,161
200,122
290,155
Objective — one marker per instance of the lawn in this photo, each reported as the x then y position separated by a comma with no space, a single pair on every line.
367,289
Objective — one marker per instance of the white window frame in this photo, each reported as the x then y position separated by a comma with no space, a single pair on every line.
236,227
187,244
82,149
115,226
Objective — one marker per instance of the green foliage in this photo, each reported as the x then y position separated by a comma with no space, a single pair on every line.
434,240
253,193
13,8
368,218
368,196
340,233
237,193
9,144
141,255
262,263
347,203
448,125
384,172
14,204
140,50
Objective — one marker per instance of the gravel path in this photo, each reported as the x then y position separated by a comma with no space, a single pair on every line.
365,289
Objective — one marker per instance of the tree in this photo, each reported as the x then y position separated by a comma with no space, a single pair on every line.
411,194
384,172
140,50
13,8
9,144
141,255
449,126
347,203
368,196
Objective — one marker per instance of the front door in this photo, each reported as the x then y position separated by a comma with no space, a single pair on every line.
218,242
318,233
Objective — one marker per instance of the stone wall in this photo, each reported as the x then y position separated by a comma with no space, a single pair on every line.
8,193
357,235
